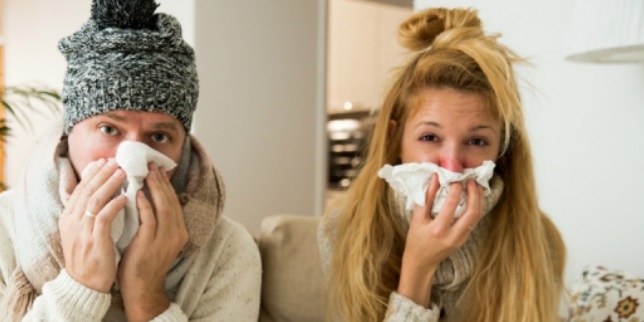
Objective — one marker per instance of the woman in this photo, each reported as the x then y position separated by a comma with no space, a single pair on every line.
131,80
454,104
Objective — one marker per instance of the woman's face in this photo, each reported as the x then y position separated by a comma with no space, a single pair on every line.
99,136
451,128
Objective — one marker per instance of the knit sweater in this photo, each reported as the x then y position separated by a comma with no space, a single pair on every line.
222,284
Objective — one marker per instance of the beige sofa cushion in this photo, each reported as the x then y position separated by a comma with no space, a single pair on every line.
293,285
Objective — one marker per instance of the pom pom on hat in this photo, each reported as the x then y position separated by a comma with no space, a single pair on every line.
124,14
126,57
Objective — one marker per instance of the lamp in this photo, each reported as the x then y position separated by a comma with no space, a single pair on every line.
607,31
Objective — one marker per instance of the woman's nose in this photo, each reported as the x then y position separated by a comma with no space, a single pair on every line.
451,159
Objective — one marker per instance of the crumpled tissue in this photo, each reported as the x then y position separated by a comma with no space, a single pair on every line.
412,180
133,158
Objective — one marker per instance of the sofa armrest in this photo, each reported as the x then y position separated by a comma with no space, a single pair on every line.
293,284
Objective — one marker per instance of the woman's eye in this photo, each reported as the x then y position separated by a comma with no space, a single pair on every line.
478,142
429,137
159,137
108,130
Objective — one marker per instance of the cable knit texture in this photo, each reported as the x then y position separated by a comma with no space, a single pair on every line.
217,277
451,276
126,57
408,310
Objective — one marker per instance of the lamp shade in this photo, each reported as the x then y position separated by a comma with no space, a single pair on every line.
607,31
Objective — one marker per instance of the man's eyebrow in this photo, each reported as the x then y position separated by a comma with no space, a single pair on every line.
166,125
116,117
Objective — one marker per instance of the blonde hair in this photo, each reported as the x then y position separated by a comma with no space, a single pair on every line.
519,275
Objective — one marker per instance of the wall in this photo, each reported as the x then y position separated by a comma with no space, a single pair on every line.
585,123
261,67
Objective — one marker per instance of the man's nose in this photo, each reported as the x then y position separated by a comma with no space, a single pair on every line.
134,136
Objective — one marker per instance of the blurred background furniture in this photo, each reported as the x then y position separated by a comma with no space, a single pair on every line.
293,287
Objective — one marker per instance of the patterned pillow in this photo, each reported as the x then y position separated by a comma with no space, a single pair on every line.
606,295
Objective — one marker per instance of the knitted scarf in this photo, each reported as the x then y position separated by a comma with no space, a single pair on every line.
458,267
43,191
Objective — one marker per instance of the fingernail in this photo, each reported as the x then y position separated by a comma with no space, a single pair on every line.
100,162
118,173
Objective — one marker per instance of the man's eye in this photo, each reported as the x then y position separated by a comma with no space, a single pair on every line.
159,137
109,130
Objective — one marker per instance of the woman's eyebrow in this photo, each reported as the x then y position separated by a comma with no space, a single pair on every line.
482,127
431,123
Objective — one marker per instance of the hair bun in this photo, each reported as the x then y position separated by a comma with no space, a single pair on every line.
420,30
124,14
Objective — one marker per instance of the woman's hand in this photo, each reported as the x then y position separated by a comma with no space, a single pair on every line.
153,250
86,223
430,241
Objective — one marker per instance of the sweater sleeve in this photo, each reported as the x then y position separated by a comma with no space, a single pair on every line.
402,309
227,275
224,282
327,237
64,299
399,308
172,314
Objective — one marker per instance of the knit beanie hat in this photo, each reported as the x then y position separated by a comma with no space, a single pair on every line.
126,57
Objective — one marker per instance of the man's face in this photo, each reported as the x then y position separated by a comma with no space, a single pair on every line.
99,136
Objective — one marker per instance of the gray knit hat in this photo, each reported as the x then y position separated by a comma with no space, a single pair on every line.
126,57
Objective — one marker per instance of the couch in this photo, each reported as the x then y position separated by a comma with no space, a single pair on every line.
293,286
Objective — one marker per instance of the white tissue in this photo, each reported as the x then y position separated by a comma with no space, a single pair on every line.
133,158
412,180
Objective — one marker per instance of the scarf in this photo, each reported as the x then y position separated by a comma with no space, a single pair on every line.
458,267
43,191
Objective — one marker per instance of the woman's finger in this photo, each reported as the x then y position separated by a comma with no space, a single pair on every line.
446,214
423,214
434,185
473,209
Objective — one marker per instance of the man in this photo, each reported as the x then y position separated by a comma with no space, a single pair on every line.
130,77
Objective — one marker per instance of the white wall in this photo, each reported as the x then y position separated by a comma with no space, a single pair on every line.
261,111
32,30
586,124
